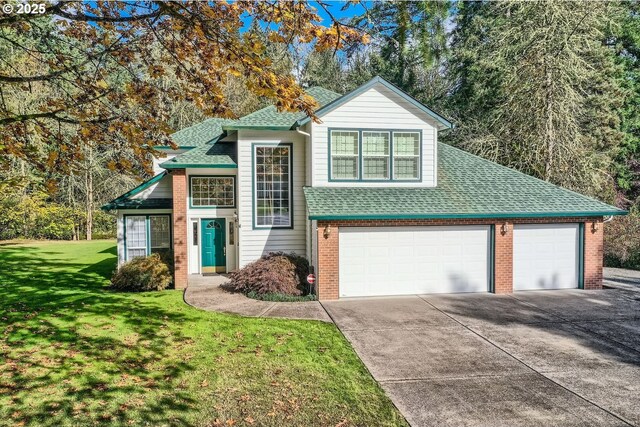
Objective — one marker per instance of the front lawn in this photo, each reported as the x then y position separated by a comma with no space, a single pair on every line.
73,353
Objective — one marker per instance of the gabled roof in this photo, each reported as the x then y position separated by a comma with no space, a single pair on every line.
468,187
270,118
200,134
444,123
214,155
127,201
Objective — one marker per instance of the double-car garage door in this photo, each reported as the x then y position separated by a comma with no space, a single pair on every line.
449,259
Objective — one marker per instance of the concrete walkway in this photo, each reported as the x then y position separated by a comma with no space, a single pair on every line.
204,292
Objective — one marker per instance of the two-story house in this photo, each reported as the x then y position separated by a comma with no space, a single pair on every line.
368,195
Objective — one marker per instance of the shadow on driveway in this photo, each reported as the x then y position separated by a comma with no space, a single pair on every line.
563,358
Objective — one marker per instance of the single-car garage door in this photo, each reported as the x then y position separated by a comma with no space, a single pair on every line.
545,256
413,260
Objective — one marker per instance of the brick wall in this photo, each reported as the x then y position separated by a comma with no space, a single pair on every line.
328,278
327,273
179,179
593,253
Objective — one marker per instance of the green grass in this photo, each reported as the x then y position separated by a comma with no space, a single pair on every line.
74,353
278,297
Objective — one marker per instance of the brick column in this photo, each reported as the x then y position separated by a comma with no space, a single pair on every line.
593,253
180,260
327,274
503,258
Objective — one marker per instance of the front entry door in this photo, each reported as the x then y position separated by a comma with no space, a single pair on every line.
214,253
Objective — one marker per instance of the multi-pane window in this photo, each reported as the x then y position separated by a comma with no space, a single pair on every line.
406,155
211,191
272,179
375,155
159,234
136,236
344,154
147,234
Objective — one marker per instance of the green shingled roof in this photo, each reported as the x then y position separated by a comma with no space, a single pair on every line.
468,187
201,133
216,155
271,118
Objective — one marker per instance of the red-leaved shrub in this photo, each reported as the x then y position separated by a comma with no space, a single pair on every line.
275,272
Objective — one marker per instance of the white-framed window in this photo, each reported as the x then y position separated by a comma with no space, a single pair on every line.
345,154
375,155
136,236
406,155
213,191
147,234
273,183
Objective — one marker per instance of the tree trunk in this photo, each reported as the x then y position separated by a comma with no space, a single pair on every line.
89,201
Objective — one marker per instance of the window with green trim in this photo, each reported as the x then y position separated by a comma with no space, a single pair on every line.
272,178
375,155
406,155
147,234
344,154
212,191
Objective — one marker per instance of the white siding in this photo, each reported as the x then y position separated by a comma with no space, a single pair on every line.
165,155
162,189
255,243
377,108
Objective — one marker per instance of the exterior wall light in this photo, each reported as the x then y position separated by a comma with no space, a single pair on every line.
327,231
594,226
504,229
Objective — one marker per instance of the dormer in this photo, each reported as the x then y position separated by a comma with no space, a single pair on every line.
376,136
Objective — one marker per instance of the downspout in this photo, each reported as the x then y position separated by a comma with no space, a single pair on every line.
309,227
607,219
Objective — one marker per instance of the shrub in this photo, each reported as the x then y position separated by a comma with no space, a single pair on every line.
273,273
142,274
622,241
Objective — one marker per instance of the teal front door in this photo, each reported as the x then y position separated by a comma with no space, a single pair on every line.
214,253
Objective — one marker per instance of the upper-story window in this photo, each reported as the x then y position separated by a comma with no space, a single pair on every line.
213,191
273,182
374,155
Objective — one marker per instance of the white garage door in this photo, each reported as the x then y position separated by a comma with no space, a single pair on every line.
545,256
413,260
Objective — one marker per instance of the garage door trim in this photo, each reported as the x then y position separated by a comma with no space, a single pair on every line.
581,255
477,256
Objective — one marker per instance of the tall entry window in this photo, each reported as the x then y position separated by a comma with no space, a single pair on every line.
147,234
272,186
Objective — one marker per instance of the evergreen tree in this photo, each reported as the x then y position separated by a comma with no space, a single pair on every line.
538,90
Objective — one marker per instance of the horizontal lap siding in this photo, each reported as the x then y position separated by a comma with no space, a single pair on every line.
162,189
377,108
255,243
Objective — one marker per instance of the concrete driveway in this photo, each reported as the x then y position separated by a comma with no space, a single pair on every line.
561,358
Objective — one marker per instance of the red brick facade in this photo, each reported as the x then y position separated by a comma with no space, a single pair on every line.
328,248
179,180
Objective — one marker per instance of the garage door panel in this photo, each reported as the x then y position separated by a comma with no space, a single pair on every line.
545,256
416,260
